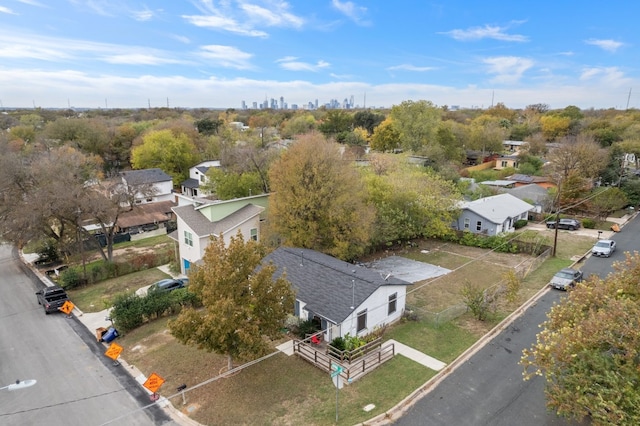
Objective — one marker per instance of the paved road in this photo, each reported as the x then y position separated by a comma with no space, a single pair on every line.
488,388
76,383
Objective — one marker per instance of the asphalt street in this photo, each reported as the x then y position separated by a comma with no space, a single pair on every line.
76,383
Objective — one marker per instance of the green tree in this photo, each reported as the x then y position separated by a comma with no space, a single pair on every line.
318,201
299,124
589,349
410,202
416,121
607,201
228,185
173,153
335,122
243,303
368,120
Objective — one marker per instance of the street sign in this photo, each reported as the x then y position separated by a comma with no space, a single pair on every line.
153,382
337,369
114,351
67,307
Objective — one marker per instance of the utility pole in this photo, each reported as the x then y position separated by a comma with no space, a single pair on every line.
629,97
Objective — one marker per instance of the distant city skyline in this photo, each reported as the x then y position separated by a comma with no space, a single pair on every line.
210,54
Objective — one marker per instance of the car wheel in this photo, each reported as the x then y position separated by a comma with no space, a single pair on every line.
550,226
572,228
46,312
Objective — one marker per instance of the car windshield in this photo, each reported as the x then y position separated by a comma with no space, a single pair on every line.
565,275
603,244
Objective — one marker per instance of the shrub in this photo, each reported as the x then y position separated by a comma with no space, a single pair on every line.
47,251
339,343
306,327
480,302
588,223
520,223
70,278
127,312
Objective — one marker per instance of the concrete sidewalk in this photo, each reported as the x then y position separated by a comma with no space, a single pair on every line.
415,355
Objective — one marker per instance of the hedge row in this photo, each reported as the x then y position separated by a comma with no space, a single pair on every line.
131,311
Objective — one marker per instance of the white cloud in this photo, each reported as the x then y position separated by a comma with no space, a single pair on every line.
508,69
7,11
143,15
352,11
291,64
611,76
139,59
608,45
226,56
222,23
278,17
488,31
409,67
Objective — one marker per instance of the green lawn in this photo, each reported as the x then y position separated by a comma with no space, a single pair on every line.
96,297
288,390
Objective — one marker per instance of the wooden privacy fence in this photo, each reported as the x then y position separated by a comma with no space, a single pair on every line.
351,370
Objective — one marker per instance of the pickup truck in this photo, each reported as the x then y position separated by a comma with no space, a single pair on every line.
51,298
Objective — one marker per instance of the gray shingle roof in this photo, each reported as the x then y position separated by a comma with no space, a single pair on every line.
139,177
498,207
202,227
191,183
324,283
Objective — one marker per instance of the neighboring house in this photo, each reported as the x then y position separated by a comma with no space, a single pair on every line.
506,161
499,183
146,217
492,215
200,219
522,180
197,178
513,146
534,194
158,186
341,297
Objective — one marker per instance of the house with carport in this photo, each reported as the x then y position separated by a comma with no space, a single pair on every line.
342,298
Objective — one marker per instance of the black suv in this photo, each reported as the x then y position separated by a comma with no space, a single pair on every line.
570,224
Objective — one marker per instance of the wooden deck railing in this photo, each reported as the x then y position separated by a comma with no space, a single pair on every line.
351,370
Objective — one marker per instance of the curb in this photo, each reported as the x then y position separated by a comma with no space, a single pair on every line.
136,374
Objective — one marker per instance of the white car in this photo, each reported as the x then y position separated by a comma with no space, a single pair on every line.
604,248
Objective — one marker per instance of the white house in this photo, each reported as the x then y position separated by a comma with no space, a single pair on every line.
341,297
492,215
202,218
197,178
155,185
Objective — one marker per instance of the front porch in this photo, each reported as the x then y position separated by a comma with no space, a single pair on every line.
355,364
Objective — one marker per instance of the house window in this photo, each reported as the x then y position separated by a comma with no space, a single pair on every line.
362,321
254,234
392,303
149,200
479,226
504,163
467,223
188,238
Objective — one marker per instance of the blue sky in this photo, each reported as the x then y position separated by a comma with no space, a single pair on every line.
216,54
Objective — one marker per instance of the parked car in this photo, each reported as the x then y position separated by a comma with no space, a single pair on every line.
168,284
565,278
604,248
51,298
570,224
